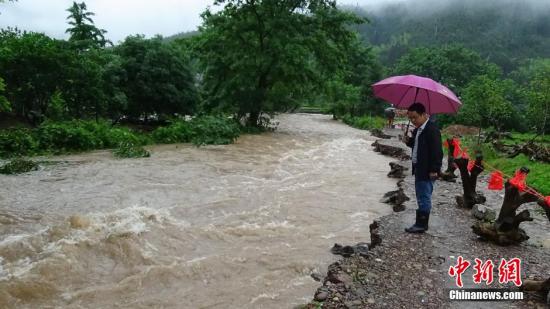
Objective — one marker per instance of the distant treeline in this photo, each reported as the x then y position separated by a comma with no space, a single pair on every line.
253,58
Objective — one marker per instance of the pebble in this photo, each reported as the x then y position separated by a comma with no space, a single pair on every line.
371,301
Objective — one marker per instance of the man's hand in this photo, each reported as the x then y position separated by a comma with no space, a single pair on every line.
406,139
433,176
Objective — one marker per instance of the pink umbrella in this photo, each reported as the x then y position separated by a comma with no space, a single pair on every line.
403,91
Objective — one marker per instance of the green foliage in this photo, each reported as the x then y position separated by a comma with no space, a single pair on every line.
158,80
84,35
267,56
76,135
485,103
17,142
130,150
453,66
31,65
364,122
18,166
5,105
66,136
57,109
342,98
177,132
216,130
538,92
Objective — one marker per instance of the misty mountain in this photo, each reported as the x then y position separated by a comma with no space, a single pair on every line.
504,31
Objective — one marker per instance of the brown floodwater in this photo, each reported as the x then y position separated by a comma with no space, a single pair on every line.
233,226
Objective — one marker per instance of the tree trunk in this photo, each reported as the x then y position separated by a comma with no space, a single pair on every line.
449,174
253,119
505,230
469,182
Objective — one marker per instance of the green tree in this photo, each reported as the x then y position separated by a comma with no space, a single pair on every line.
486,104
83,85
267,56
158,80
454,66
32,66
84,34
538,115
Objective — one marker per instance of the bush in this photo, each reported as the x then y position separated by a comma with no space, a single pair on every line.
60,137
214,130
129,150
177,132
17,142
17,166
78,135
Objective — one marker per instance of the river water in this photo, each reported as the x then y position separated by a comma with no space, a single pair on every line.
234,226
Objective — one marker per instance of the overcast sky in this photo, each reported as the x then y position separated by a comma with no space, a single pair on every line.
119,17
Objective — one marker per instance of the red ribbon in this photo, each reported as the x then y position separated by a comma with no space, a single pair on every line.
518,180
496,181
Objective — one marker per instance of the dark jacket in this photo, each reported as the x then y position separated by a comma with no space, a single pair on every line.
429,153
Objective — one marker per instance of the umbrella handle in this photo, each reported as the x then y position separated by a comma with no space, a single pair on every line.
407,130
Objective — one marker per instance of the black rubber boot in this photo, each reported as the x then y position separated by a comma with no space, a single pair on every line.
421,224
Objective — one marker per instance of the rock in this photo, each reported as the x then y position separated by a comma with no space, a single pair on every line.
397,170
371,301
335,299
420,293
392,148
321,296
353,304
483,213
378,133
345,251
396,198
316,276
340,277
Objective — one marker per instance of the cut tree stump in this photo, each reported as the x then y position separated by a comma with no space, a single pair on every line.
540,286
469,182
449,174
505,230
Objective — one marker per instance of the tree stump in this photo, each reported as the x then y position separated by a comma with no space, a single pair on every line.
540,286
449,174
469,182
505,230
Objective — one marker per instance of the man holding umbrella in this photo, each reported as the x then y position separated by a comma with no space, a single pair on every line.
427,157
420,96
